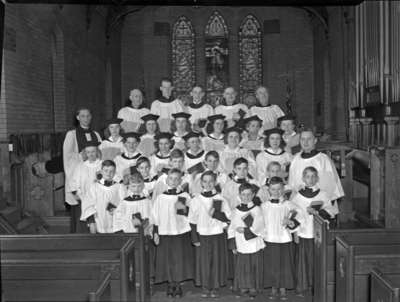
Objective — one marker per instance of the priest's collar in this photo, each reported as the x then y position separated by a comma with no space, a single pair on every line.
158,154
194,156
262,106
310,192
163,99
221,136
194,105
211,193
243,207
271,152
84,129
310,154
135,155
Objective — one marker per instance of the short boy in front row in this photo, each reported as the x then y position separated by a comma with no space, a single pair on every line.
175,252
134,209
209,215
101,200
240,175
280,221
245,235
311,200
176,161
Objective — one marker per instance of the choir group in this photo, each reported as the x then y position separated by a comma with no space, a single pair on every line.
221,192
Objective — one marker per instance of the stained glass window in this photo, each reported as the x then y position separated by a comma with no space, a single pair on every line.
183,57
250,58
217,54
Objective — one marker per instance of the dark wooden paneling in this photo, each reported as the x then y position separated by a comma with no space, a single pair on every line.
356,256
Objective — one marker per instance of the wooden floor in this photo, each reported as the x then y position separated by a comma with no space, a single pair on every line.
193,294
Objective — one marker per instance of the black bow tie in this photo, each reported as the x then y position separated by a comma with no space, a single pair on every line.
172,191
274,200
135,197
209,193
108,183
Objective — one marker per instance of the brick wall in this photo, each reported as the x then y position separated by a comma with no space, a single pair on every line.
55,62
146,58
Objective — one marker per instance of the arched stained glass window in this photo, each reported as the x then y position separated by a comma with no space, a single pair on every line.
183,57
216,52
250,58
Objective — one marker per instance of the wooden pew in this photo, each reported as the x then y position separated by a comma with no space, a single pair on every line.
123,254
357,255
325,254
103,291
384,287
54,282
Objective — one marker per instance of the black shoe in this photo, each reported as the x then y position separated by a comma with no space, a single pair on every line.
170,290
178,293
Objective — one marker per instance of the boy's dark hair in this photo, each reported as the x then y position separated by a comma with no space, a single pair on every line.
246,186
135,178
276,180
166,79
141,160
239,161
108,163
311,169
212,153
209,173
175,171
176,153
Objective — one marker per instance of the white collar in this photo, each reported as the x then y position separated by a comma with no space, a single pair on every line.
180,136
148,135
274,152
217,138
119,139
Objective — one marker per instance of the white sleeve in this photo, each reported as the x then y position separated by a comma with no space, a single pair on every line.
154,109
120,114
258,225
193,215
232,227
155,212
226,208
88,204
119,217
278,111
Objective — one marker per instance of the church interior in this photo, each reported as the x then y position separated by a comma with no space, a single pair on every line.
334,65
